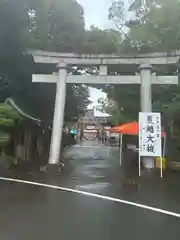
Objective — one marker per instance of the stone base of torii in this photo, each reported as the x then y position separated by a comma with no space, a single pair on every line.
145,64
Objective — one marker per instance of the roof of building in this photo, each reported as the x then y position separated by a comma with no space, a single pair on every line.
11,101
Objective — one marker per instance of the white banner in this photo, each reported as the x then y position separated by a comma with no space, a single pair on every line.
150,134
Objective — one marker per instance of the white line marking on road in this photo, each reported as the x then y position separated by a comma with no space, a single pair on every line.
100,147
86,146
158,210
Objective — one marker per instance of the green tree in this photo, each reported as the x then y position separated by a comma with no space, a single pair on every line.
111,107
44,24
99,41
57,25
163,22
154,29
14,25
9,118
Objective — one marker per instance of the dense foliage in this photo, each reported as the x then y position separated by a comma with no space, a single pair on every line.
154,27
41,24
9,118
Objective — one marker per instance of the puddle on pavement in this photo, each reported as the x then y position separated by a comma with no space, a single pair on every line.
96,176
91,176
93,186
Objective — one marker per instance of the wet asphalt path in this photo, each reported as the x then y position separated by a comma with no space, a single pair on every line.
30,212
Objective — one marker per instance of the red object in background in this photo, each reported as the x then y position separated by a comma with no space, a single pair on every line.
129,129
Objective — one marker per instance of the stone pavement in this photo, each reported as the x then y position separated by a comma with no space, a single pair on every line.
35,212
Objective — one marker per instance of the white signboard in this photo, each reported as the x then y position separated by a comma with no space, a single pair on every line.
150,134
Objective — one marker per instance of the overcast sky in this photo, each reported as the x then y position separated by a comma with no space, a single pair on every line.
96,12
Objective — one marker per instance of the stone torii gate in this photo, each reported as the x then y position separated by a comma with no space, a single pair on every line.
144,63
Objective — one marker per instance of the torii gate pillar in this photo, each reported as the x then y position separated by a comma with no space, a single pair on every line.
58,119
146,82
146,101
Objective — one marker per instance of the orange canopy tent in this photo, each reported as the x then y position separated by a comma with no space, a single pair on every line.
129,129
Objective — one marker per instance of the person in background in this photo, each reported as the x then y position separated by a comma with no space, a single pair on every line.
103,136
98,135
107,137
